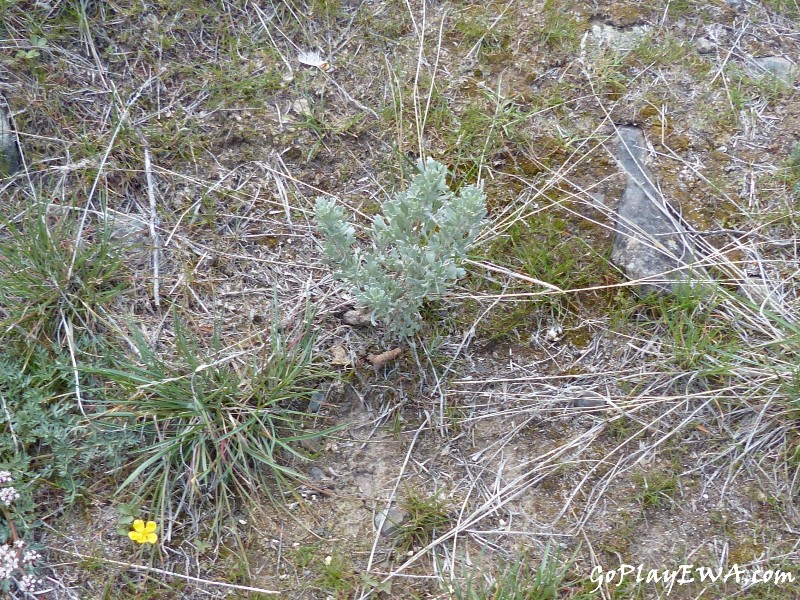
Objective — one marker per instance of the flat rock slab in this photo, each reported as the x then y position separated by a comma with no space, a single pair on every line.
650,246
620,40
778,67
9,152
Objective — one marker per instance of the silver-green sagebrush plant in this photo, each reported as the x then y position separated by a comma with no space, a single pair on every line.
418,245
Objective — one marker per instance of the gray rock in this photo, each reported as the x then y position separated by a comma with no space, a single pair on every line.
315,403
128,230
651,244
705,46
388,522
778,67
10,159
589,403
620,40
357,317
316,474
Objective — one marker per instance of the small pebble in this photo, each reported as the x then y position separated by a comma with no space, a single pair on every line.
315,403
554,333
705,46
357,317
589,403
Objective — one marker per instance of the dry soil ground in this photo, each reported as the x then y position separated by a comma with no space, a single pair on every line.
587,429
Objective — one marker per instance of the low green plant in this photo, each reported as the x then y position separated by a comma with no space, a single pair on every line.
518,580
788,8
43,434
418,245
560,29
37,43
792,174
128,513
337,575
212,429
478,28
482,128
376,585
426,517
55,277
543,247
699,337
303,555
656,489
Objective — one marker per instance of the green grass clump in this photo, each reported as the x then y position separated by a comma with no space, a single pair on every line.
543,247
480,130
697,330
427,516
560,30
693,327
56,277
792,174
518,580
337,574
788,8
212,428
56,281
656,489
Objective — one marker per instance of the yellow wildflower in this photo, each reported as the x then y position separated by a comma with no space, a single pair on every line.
144,534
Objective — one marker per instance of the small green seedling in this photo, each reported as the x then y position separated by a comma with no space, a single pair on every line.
128,513
37,43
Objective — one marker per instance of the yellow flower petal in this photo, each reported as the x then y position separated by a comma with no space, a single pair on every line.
144,533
